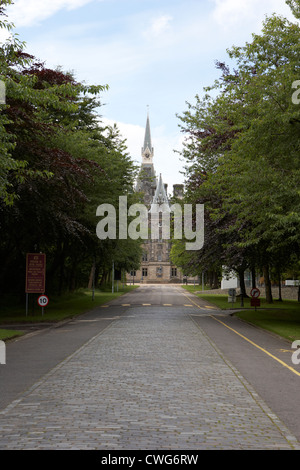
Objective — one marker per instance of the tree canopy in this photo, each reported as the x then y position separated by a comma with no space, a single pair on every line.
58,163
242,149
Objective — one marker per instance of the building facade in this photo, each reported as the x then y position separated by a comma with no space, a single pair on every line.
156,266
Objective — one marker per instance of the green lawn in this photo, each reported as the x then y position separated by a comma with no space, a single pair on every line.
282,318
283,322
59,308
8,334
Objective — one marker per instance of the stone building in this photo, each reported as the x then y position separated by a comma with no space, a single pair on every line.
156,266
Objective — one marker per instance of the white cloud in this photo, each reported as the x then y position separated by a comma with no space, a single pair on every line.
134,134
160,25
165,160
236,13
30,12
4,35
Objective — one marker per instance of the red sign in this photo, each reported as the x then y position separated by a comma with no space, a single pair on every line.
255,302
255,292
43,301
35,273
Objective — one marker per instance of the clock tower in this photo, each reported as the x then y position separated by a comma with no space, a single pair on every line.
147,149
156,264
147,179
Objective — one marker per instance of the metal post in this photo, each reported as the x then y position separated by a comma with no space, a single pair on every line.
93,280
113,277
26,304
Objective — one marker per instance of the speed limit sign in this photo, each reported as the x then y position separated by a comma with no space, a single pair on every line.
43,300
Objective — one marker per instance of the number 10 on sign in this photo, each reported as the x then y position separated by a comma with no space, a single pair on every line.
43,302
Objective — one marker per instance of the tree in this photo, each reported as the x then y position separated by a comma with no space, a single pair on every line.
246,139
61,164
8,55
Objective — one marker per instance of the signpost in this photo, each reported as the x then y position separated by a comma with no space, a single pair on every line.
35,275
232,295
43,302
255,301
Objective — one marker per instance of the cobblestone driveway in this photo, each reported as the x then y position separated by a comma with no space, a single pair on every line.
151,380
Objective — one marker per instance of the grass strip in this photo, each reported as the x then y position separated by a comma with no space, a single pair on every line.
59,308
281,318
283,322
9,334
221,301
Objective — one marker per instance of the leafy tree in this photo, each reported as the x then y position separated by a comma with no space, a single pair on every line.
60,164
246,140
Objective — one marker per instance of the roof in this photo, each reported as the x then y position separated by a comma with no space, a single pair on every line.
147,139
160,198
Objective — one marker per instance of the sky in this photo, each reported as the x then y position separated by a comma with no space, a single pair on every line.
155,55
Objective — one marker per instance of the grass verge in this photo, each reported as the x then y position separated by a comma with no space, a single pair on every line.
58,309
283,322
281,318
9,334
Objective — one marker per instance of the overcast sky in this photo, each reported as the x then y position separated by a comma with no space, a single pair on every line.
159,53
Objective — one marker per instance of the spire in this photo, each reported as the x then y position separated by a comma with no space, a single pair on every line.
147,140
160,197
147,149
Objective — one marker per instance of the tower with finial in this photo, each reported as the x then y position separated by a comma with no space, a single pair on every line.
147,149
156,265
147,179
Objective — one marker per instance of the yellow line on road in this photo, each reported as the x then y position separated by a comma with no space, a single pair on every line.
198,306
258,347
249,341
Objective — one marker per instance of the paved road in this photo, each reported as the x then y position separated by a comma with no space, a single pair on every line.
155,369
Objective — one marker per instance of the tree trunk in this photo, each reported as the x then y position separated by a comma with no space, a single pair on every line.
268,287
61,276
279,287
210,274
253,277
215,280
241,273
73,278
92,276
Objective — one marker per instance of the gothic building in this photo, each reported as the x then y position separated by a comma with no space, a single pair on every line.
156,266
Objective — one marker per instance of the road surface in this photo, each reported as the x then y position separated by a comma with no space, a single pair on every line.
155,369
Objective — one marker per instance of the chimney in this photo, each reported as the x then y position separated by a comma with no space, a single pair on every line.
178,190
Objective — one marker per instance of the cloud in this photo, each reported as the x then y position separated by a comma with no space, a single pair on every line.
234,13
160,25
30,12
165,160
4,35
134,135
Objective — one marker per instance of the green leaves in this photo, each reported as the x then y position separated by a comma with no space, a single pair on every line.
58,163
242,146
